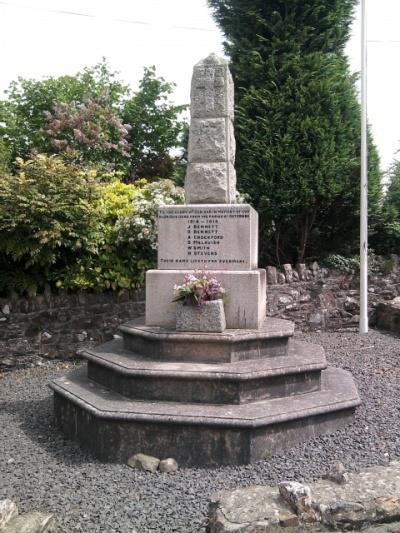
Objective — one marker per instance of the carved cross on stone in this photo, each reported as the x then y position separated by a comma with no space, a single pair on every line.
211,176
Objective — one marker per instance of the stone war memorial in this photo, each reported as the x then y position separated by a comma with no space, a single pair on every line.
205,398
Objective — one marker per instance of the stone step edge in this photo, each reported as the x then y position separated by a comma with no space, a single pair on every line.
337,376
221,371
272,328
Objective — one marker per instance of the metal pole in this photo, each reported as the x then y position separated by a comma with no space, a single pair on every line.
364,180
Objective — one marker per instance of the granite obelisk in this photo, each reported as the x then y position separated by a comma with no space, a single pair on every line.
211,232
211,176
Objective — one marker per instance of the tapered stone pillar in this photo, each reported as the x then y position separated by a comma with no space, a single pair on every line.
211,176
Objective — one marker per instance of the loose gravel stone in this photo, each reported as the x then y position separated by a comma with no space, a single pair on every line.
51,474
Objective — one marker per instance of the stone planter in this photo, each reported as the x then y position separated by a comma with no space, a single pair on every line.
208,317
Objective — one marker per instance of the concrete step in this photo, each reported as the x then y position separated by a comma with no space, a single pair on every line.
230,346
135,376
114,427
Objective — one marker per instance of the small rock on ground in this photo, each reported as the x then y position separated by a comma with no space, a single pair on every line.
168,465
144,462
337,474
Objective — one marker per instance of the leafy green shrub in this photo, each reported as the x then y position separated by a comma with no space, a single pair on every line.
384,228
5,156
140,227
94,119
129,214
351,265
347,265
88,133
156,127
65,227
48,218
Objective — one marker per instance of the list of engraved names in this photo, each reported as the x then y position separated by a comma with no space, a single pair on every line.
209,235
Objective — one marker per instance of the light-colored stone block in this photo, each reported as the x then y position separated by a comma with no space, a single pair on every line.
209,317
8,511
212,92
210,176
245,305
206,183
211,140
213,237
32,522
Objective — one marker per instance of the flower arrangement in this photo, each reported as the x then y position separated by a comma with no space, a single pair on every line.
198,288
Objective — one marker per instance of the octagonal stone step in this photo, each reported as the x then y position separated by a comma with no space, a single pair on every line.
230,346
138,377
113,427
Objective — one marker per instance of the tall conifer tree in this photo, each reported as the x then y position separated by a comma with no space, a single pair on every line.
297,123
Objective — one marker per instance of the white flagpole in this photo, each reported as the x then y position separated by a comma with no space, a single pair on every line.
364,179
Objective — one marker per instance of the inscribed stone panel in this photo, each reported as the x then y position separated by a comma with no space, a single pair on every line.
211,236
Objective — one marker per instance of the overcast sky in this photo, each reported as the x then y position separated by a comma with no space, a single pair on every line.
53,37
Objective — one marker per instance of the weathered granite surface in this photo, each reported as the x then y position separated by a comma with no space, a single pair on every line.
167,344
130,374
207,317
211,176
114,427
368,499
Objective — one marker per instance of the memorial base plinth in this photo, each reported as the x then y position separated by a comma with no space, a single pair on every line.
232,345
245,305
141,396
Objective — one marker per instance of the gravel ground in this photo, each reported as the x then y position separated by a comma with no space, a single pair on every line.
40,470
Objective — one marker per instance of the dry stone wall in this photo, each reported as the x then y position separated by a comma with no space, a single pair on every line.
318,298
56,325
